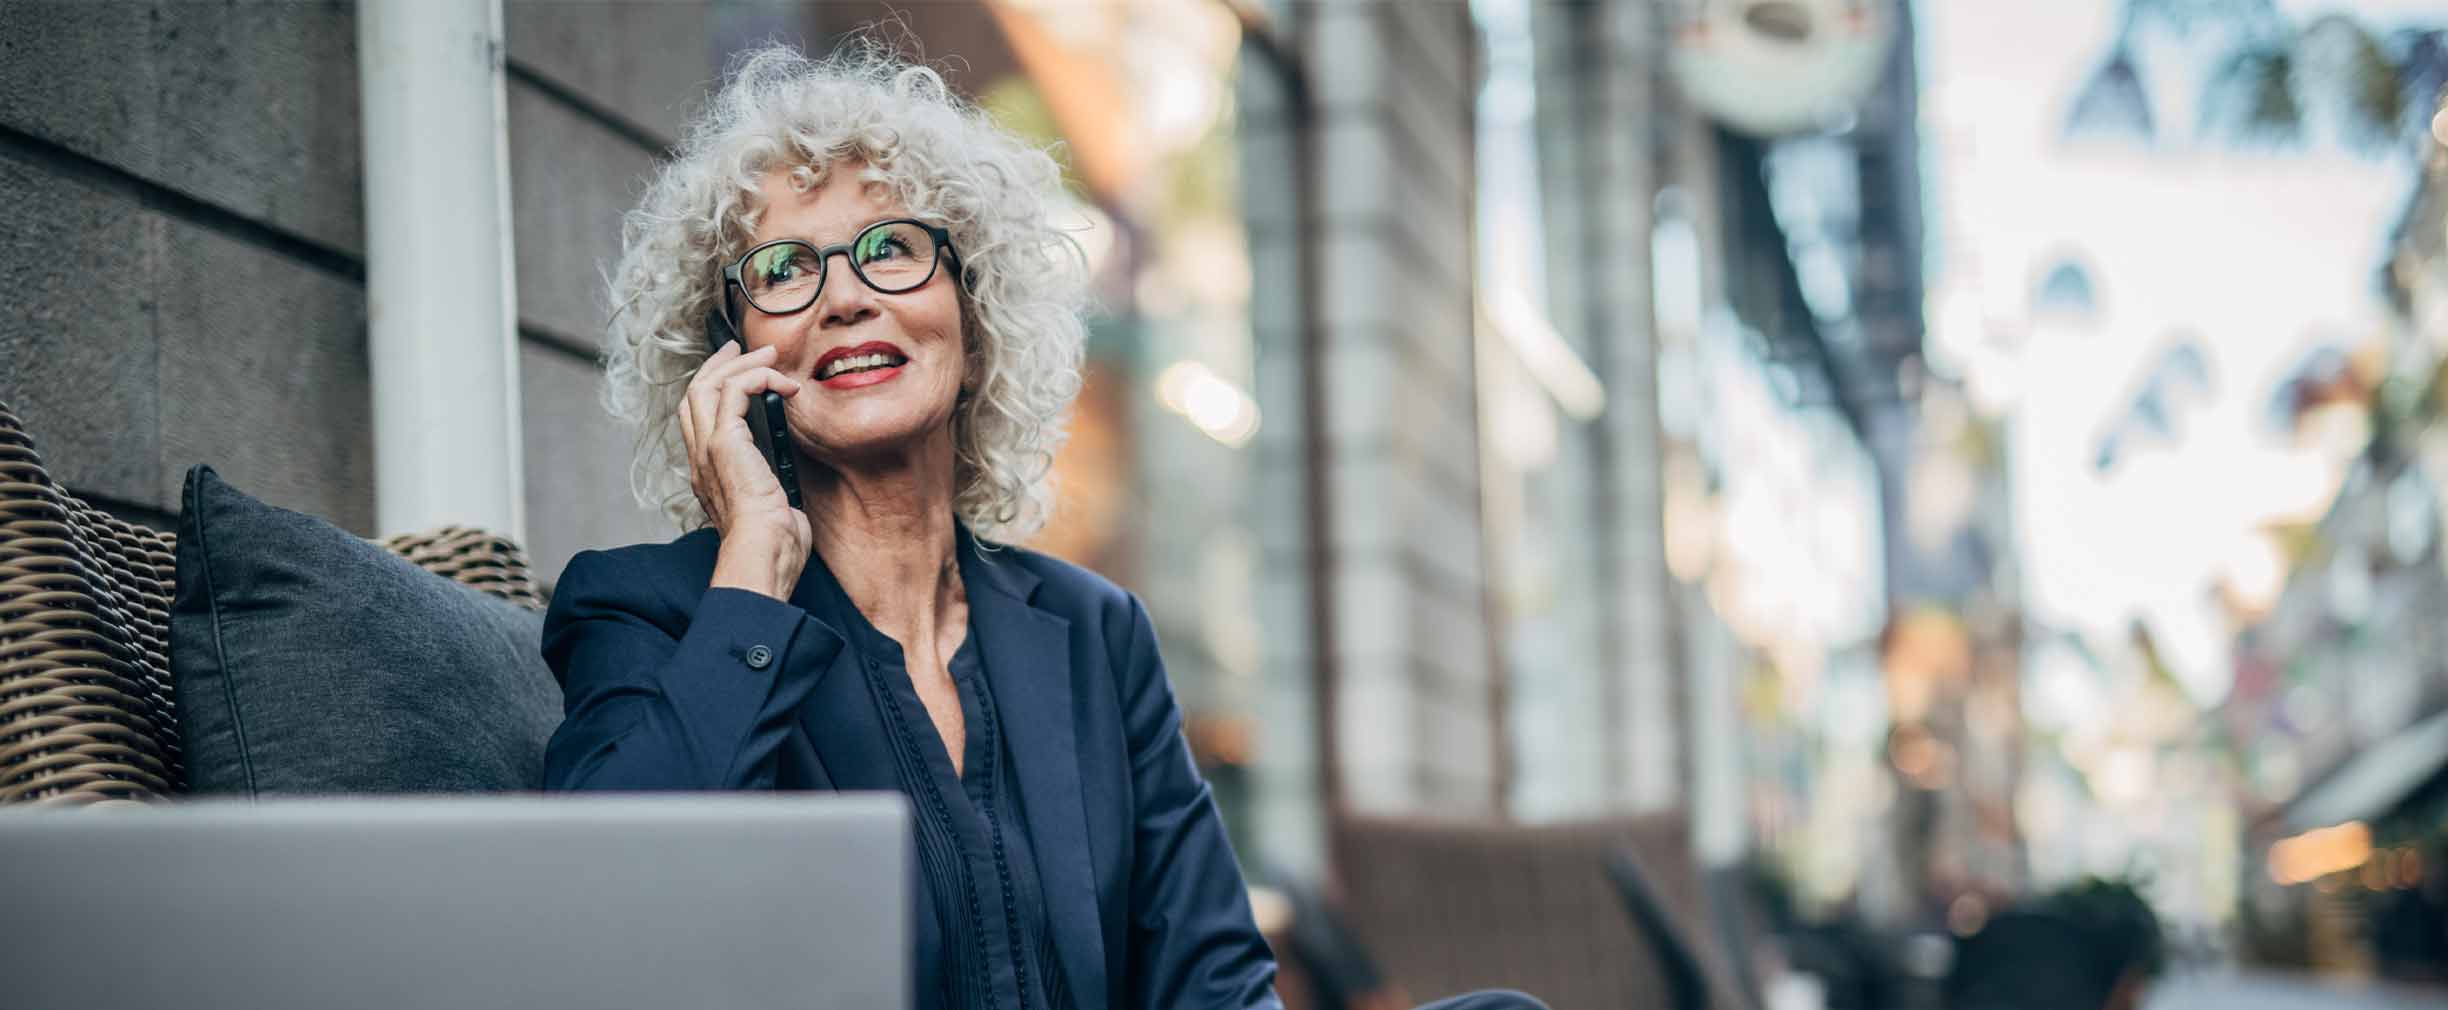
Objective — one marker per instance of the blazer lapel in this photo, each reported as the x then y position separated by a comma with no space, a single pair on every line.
851,751
846,750
1027,655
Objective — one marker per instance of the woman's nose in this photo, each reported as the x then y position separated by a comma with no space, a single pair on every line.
846,299
848,313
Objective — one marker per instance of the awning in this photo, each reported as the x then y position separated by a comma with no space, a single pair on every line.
2373,783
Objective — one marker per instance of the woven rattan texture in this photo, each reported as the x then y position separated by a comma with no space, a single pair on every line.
471,557
86,710
85,702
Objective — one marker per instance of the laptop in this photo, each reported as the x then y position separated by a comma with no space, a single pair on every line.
600,902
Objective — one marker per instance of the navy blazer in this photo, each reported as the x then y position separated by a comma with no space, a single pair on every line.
669,684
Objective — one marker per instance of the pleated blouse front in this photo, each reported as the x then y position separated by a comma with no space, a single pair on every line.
983,941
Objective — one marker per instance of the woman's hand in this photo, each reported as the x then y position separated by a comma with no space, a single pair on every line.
765,542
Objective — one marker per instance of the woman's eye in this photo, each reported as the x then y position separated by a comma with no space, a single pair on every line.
784,266
882,246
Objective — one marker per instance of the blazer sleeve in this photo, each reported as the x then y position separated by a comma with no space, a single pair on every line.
656,700
1193,941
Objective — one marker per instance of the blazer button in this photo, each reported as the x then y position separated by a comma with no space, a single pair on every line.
759,657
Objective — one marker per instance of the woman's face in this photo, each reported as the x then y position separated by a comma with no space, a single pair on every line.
848,407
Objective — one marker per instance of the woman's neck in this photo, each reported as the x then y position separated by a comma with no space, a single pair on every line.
885,531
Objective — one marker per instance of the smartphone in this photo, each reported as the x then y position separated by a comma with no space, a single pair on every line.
765,417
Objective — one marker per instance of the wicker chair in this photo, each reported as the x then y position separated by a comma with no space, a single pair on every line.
86,710
1451,906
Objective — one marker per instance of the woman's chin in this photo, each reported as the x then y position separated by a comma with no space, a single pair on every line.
871,444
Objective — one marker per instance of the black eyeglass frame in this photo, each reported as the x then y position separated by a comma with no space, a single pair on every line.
824,266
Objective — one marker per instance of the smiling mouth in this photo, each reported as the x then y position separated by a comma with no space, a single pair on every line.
850,364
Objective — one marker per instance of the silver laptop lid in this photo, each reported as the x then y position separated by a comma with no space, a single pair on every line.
607,903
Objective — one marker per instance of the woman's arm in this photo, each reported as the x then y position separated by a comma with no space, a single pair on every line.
651,707
1193,944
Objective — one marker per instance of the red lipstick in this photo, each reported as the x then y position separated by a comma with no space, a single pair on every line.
867,377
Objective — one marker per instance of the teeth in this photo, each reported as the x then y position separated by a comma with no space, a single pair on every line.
857,363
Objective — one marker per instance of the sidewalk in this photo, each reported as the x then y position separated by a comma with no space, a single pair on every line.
2253,991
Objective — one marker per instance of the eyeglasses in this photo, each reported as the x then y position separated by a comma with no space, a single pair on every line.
784,276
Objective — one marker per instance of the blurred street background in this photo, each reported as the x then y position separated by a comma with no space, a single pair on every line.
1959,483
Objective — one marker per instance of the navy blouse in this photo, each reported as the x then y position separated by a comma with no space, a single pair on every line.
982,940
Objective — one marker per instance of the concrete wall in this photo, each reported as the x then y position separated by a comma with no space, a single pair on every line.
181,272
598,90
182,245
1393,88
1607,142
1289,827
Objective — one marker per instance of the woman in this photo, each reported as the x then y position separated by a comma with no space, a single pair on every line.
884,254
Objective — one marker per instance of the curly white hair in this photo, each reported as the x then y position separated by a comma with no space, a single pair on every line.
946,162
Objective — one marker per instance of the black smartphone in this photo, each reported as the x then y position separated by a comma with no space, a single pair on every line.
765,417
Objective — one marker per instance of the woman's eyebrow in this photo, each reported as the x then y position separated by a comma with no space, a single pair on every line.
854,233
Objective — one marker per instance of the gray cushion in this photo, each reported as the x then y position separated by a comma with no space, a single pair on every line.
307,660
